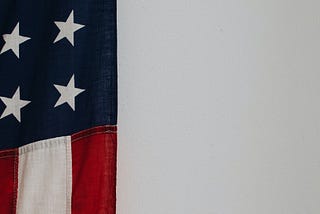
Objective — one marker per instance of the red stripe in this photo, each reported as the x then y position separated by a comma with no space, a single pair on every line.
94,171
8,180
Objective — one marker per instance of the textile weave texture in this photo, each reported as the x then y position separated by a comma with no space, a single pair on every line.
58,106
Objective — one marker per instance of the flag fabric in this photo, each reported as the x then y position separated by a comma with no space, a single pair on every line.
58,106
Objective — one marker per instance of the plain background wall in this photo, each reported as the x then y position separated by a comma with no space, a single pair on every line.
219,107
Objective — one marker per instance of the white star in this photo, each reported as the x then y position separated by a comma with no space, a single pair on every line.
13,41
67,29
68,93
14,105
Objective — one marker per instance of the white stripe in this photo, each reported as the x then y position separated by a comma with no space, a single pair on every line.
45,177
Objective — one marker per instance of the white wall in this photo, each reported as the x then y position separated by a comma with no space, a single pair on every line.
219,107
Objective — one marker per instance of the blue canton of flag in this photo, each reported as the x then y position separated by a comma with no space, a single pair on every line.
58,68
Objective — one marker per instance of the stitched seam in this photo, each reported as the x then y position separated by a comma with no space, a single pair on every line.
41,145
7,153
9,150
8,156
97,129
92,134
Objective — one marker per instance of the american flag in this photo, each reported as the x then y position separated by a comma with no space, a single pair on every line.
58,106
